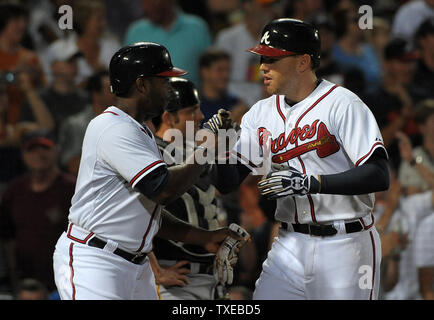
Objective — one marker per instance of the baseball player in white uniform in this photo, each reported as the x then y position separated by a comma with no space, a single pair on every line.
122,186
328,159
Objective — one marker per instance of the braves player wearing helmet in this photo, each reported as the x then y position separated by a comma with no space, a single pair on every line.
197,206
327,159
122,186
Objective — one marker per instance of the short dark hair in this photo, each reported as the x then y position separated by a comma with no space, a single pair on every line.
210,56
32,285
94,83
11,11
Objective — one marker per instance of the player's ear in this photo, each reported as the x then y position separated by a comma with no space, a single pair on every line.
143,85
304,63
168,119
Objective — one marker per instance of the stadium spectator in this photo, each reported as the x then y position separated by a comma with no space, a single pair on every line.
90,38
424,257
44,23
62,98
391,102
423,80
352,51
214,67
246,79
14,58
31,289
71,133
185,36
34,210
416,172
329,68
410,16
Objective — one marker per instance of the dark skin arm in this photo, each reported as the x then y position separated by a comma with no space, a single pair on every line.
175,229
426,282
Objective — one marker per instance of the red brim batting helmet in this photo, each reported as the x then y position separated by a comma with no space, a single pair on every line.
286,37
142,59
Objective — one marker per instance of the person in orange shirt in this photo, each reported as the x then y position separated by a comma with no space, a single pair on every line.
16,60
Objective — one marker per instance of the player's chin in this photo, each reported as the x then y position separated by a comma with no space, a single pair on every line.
270,89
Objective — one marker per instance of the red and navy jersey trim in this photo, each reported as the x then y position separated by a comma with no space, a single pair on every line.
369,153
152,165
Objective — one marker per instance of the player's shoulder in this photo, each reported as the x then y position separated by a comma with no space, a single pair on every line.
259,110
344,97
111,118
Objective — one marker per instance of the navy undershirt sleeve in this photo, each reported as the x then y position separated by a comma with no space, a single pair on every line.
372,176
152,184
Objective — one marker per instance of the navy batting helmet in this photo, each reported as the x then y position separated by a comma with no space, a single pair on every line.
184,94
142,59
285,37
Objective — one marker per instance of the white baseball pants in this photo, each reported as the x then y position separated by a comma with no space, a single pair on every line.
304,267
82,272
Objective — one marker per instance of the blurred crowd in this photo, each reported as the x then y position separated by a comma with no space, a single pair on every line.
53,81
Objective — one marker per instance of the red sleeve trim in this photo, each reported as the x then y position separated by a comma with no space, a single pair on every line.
111,112
145,170
370,151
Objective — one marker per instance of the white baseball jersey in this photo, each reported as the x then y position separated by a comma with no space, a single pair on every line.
117,153
328,132
424,243
406,219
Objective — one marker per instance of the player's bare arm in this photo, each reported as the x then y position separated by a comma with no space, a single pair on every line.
178,230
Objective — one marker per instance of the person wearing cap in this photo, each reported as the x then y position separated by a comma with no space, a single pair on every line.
324,158
33,210
392,102
423,80
62,97
123,185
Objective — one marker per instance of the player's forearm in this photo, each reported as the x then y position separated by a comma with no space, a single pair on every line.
373,176
175,229
181,178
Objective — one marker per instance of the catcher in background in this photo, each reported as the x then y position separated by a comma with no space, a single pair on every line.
188,269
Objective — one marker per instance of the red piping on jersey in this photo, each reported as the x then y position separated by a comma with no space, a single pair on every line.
373,264
362,158
278,108
149,228
369,226
111,112
240,156
71,279
312,208
76,239
144,170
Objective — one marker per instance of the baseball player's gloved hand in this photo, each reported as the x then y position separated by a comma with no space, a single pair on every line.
221,120
227,255
283,183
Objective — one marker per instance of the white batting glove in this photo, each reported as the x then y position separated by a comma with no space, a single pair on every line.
226,257
283,183
221,120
